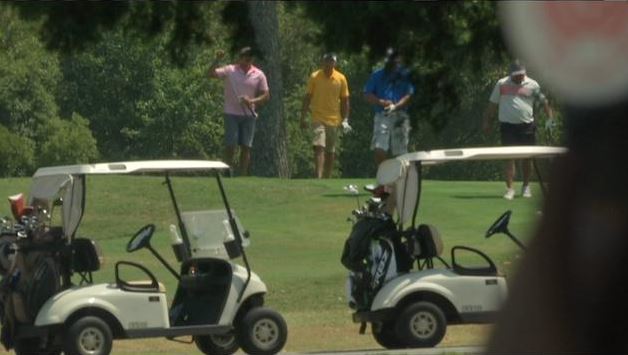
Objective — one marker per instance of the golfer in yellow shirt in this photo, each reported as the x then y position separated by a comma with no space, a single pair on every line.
327,99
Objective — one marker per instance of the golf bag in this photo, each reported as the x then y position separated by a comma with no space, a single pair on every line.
371,254
29,268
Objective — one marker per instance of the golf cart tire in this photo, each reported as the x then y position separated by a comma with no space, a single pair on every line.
225,344
385,335
30,346
262,331
100,338
421,325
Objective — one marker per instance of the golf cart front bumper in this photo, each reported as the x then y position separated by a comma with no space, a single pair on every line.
380,315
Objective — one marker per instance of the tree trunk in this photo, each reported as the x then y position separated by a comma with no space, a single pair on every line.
269,154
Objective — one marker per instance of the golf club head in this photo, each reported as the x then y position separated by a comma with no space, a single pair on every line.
352,189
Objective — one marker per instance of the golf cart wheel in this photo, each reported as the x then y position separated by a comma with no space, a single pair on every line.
421,325
384,334
88,336
217,344
262,331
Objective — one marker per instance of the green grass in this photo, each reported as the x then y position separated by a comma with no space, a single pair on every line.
298,229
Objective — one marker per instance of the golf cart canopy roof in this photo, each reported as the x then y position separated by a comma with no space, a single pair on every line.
131,167
392,169
488,153
401,172
67,183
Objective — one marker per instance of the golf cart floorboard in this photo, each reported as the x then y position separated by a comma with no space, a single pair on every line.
178,331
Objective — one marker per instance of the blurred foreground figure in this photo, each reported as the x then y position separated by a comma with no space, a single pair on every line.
569,295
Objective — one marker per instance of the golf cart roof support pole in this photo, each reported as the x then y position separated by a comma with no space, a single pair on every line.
67,276
538,175
419,176
184,232
236,233
403,203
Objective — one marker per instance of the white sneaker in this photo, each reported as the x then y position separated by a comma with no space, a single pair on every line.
510,194
526,191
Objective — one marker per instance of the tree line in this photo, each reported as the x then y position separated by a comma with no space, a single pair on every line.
131,82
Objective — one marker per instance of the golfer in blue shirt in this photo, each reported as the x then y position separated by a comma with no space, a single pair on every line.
389,90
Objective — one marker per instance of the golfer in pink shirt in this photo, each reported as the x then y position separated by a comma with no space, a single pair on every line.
245,88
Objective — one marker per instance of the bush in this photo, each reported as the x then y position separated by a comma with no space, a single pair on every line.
16,154
67,142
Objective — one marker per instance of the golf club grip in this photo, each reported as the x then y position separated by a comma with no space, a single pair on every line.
237,95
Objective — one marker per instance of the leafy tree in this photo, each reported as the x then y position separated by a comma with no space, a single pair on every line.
182,115
104,83
28,77
442,41
136,71
30,128
271,157
68,26
66,142
16,154
140,104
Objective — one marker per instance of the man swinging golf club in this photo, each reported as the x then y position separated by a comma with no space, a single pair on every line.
245,87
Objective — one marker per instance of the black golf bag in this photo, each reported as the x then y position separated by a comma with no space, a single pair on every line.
374,254
29,268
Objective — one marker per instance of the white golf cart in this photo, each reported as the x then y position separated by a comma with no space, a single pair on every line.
218,302
407,306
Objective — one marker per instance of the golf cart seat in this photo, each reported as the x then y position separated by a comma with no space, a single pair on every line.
86,258
430,242
426,245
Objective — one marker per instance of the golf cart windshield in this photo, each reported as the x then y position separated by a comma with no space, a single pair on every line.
404,172
67,183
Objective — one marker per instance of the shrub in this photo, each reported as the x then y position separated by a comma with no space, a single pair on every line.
67,142
16,154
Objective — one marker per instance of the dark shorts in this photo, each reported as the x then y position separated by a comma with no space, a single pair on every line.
239,130
518,134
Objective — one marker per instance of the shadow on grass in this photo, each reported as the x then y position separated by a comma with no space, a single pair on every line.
346,195
478,197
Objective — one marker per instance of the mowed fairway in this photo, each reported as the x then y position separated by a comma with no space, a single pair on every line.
298,228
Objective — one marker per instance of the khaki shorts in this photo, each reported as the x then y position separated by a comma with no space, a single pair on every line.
325,136
391,132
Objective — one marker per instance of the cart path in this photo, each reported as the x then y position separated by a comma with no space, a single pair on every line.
461,350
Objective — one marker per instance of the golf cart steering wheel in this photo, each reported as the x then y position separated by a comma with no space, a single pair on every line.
500,225
141,238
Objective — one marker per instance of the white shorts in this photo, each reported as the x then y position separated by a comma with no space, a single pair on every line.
325,136
391,132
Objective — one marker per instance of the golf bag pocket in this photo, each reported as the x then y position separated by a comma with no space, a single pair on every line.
18,305
360,294
381,267
44,284
383,263
358,244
